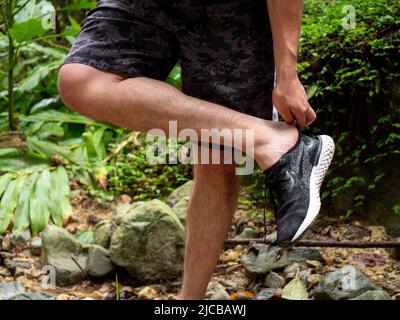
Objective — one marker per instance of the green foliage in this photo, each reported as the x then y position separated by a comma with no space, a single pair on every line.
355,76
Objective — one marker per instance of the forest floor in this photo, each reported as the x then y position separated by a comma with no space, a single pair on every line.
379,264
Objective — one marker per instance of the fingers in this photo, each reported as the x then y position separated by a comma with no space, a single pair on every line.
300,117
310,115
287,116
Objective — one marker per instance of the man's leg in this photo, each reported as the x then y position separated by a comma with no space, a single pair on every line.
142,104
211,207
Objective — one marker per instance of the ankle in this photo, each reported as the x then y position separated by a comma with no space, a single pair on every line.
281,139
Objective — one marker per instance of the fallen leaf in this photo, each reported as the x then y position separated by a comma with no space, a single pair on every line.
147,293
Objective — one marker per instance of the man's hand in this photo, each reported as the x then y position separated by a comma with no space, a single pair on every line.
289,96
290,99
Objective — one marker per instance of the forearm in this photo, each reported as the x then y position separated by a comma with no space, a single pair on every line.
285,17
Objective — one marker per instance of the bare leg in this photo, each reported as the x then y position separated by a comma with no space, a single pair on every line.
211,207
142,104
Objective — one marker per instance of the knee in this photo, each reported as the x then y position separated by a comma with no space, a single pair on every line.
77,85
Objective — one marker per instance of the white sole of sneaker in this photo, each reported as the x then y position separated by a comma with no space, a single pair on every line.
317,176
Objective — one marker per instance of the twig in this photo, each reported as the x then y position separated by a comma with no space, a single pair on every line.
322,243
121,146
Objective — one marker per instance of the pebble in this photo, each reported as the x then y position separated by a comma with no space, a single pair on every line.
6,243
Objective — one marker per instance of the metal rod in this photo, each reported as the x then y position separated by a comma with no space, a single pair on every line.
323,243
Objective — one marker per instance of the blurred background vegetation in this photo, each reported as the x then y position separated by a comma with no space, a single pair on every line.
352,77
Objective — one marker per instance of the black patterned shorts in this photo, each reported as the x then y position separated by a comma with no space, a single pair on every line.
224,47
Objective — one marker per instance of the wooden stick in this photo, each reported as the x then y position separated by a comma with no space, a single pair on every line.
322,243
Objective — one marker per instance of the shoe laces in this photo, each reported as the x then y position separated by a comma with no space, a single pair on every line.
268,189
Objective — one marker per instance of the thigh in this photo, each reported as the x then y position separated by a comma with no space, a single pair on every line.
229,59
127,37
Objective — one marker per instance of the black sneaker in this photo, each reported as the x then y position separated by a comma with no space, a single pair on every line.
295,180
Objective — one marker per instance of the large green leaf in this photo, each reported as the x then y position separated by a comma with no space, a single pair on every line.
4,181
9,202
58,116
21,216
50,129
36,75
27,30
39,202
60,205
25,161
50,149
80,4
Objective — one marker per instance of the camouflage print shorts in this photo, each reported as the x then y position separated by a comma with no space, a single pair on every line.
224,47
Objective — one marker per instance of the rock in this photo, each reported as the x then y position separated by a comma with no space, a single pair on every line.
103,232
149,242
12,265
374,295
345,283
261,258
7,255
220,294
64,252
10,289
247,233
6,243
20,238
180,208
33,296
266,294
274,280
122,209
36,246
313,280
179,193
99,263
291,270
212,288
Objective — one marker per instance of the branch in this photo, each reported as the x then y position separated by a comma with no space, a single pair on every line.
322,243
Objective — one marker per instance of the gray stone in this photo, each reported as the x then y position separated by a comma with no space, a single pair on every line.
274,280
122,209
36,246
220,294
247,233
99,263
180,208
345,283
261,258
64,252
33,296
20,238
266,294
10,289
149,242
179,193
12,265
291,270
103,232
374,295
